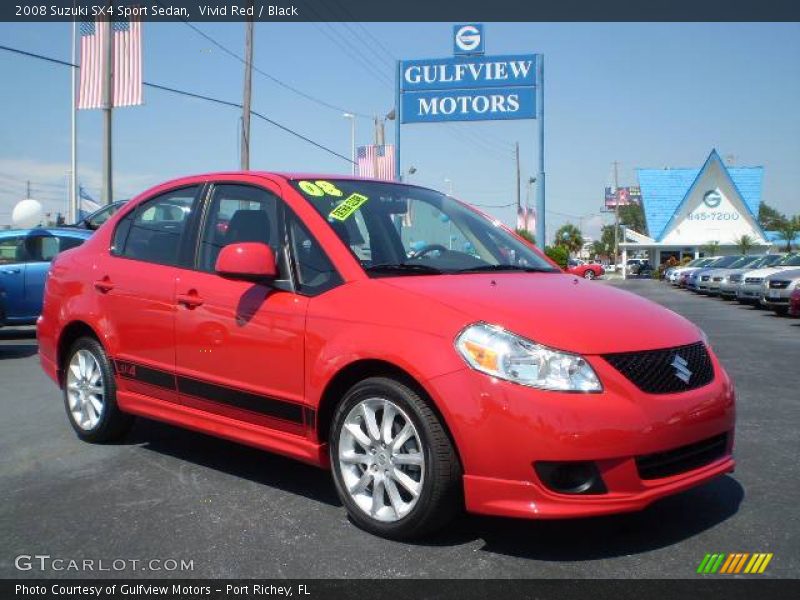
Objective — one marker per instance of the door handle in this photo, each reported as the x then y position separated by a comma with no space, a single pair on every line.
11,271
104,285
190,300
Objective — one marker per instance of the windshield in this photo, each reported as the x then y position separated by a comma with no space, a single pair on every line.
725,261
397,229
793,260
743,261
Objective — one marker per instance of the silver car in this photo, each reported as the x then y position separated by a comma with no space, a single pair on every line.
703,277
673,274
721,275
777,288
749,290
730,282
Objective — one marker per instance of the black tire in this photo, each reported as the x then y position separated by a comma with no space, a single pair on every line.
441,497
781,311
588,274
113,424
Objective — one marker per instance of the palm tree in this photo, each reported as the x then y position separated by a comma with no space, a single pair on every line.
744,243
711,247
789,228
570,237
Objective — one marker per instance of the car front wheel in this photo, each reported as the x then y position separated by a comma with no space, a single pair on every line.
589,274
394,466
90,394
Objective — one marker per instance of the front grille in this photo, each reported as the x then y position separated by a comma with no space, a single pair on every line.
753,280
717,279
680,460
736,278
778,285
666,371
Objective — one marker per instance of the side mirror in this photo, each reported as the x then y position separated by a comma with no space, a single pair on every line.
247,260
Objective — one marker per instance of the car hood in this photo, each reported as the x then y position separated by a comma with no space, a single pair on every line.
765,272
786,275
561,311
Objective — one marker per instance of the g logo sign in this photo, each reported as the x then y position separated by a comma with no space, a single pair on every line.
712,199
468,39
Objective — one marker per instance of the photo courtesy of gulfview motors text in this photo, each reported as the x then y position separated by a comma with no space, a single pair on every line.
425,300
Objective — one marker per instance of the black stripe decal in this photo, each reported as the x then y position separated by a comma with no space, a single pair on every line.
155,377
264,405
239,399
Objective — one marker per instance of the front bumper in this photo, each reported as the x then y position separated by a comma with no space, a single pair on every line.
776,298
749,292
502,429
728,288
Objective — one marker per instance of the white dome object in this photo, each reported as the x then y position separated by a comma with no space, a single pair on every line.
27,213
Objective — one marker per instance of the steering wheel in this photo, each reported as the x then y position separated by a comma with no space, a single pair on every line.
428,248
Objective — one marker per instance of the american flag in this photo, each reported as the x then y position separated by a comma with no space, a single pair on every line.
127,67
526,219
376,162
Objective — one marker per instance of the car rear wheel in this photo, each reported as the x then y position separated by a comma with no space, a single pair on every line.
394,466
90,394
589,274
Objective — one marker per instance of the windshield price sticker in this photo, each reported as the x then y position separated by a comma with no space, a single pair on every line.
348,207
320,188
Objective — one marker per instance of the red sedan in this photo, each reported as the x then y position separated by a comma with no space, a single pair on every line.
415,347
585,270
794,303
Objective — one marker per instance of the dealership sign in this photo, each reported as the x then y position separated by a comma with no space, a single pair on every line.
468,86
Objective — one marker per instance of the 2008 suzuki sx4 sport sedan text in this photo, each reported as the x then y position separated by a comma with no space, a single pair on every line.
420,350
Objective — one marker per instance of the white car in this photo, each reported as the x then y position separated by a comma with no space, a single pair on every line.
749,290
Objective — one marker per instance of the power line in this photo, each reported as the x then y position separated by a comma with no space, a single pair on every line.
272,78
193,95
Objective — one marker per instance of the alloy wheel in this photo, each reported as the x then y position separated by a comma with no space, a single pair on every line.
381,459
85,390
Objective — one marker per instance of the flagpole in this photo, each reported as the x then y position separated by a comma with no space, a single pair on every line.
72,212
108,102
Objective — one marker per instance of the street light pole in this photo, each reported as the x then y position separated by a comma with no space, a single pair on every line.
352,118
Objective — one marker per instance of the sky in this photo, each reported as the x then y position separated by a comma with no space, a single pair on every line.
645,95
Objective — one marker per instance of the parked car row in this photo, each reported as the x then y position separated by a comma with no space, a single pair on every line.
770,281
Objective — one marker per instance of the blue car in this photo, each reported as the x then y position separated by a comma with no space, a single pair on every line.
25,256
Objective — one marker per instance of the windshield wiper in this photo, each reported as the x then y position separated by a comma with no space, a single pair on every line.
403,268
481,268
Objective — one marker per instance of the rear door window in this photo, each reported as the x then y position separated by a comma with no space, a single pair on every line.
153,232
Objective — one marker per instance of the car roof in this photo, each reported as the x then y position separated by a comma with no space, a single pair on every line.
67,231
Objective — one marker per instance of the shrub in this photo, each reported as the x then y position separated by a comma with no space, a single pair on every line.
559,254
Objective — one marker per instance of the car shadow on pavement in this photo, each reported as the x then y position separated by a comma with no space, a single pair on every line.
664,523
234,459
18,350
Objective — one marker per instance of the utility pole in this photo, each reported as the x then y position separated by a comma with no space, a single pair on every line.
380,134
28,188
73,211
616,212
541,230
108,107
247,92
516,156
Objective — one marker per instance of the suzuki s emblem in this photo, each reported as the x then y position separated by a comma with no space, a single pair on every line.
682,371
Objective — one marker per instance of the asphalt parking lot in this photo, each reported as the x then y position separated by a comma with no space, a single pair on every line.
165,493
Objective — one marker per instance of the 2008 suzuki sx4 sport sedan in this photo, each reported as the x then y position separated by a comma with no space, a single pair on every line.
424,353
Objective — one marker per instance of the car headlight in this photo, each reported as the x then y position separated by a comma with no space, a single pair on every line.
499,353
